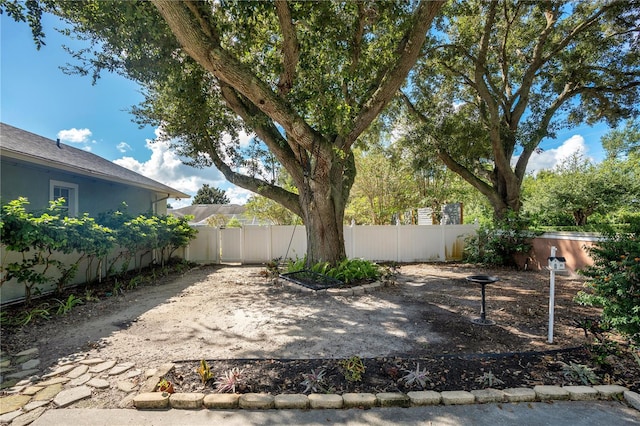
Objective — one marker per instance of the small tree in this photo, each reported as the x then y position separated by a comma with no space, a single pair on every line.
210,195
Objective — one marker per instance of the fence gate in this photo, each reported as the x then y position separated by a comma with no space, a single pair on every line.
231,245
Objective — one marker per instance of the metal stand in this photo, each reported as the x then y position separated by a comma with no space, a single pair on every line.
483,280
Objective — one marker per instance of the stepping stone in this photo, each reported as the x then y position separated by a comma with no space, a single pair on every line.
48,393
127,387
59,371
92,361
98,383
99,368
34,404
69,396
13,402
6,418
133,373
31,364
81,380
28,352
121,368
5,363
21,374
78,371
31,390
28,418
54,381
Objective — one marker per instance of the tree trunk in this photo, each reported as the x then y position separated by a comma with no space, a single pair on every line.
322,200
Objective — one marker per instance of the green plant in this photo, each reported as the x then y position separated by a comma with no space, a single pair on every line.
353,369
489,380
89,296
498,243
40,312
165,386
580,372
614,281
314,381
229,380
347,271
64,306
418,376
602,348
204,371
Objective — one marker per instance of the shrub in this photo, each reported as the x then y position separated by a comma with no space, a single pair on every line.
614,281
347,271
498,243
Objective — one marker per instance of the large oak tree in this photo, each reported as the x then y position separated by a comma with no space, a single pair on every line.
500,76
306,78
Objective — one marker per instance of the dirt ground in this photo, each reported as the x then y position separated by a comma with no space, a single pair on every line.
236,312
221,312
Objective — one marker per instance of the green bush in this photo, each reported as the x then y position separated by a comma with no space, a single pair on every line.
614,282
38,235
498,243
347,271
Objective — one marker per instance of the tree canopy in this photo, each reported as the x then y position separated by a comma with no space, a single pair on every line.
501,76
305,78
210,195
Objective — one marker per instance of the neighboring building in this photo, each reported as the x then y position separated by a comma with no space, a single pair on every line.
42,170
215,214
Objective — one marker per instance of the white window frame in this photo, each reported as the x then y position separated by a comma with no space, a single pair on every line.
73,197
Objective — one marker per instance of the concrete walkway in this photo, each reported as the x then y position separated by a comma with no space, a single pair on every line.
575,413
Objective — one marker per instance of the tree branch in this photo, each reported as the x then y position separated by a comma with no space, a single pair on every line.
389,83
290,47
227,68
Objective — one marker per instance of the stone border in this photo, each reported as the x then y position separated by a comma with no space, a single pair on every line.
262,401
348,291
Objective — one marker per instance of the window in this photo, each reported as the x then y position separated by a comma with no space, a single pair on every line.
68,191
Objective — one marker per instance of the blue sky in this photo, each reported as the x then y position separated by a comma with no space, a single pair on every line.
35,95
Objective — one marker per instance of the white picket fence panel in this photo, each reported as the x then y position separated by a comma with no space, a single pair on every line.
254,244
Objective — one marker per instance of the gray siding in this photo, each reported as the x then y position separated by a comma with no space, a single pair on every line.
18,179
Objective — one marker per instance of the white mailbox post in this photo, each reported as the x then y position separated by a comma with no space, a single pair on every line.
556,263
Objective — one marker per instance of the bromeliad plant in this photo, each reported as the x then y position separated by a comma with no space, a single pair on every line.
418,376
353,369
314,381
229,380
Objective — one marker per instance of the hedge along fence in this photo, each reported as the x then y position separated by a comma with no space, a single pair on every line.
44,250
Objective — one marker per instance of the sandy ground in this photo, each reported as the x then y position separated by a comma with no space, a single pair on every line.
220,312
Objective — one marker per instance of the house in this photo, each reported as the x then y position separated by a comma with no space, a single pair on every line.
215,214
43,170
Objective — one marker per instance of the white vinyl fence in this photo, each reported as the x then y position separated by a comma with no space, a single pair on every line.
254,244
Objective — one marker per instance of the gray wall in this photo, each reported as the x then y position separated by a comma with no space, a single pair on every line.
18,179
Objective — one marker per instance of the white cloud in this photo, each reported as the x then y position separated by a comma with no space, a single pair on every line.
550,158
75,135
166,167
123,147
